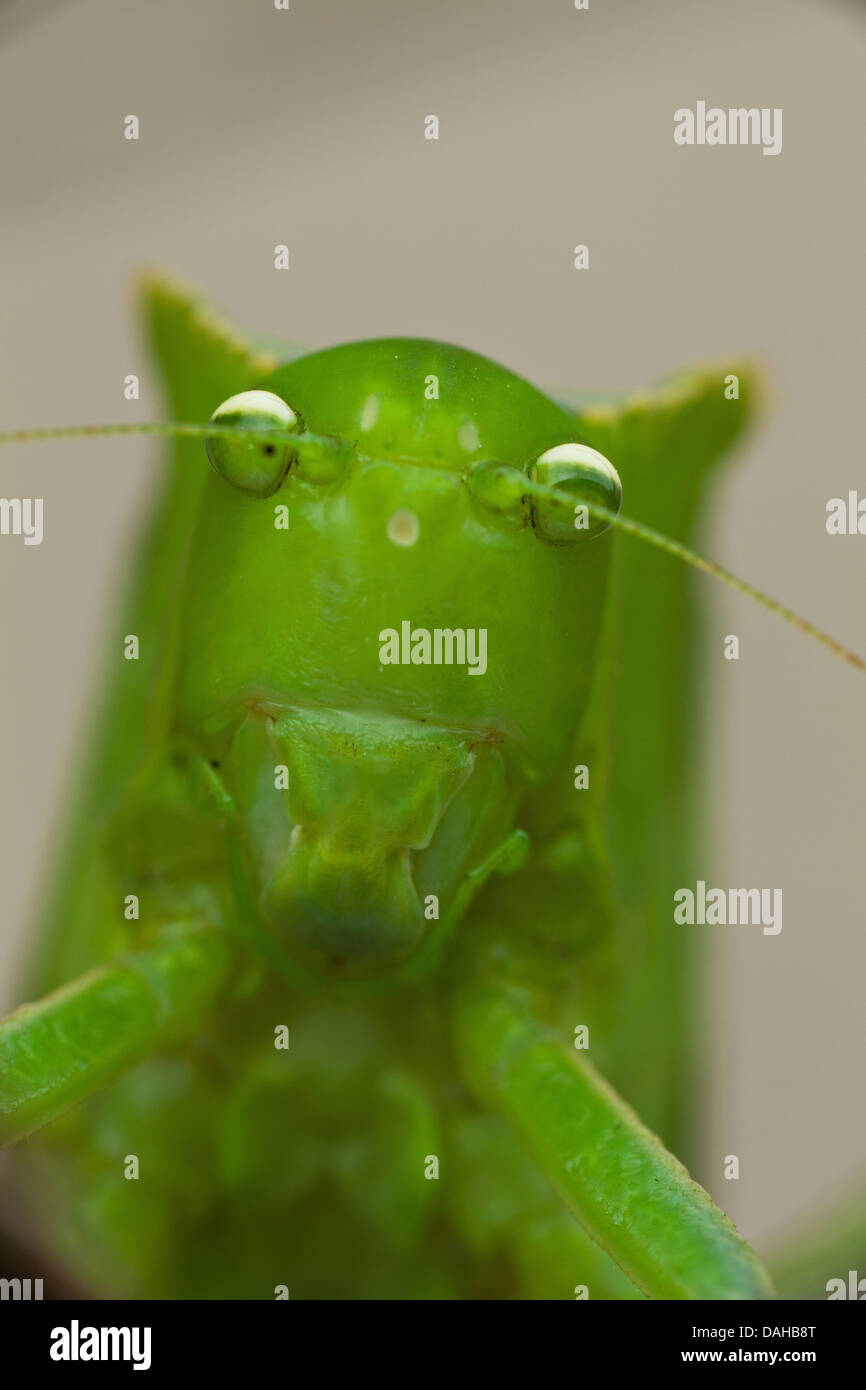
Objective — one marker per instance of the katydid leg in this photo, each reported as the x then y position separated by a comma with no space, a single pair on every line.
57,1051
632,1197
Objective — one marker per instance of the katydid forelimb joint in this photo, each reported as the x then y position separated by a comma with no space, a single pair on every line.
333,907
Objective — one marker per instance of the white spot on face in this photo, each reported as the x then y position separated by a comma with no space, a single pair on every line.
369,412
403,528
467,436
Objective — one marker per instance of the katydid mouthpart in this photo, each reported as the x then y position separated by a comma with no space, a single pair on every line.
327,922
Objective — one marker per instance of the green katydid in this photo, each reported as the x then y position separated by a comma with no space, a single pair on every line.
372,906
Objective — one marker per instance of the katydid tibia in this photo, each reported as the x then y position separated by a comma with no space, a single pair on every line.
377,856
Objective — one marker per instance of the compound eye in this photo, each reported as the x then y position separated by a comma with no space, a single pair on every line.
253,465
588,477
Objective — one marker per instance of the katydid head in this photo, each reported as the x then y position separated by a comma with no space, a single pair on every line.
409,627
387,634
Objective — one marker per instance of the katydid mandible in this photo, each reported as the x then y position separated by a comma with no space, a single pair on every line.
335,904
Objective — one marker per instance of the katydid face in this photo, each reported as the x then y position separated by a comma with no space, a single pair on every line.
413,650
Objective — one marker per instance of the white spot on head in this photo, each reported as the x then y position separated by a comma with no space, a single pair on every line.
369,412
467,436
403,528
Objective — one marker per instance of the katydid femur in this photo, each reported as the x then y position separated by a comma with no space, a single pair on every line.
384,860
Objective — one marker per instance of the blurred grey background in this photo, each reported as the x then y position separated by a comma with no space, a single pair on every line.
306,127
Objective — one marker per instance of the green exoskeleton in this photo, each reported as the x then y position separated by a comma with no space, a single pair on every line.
365,910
